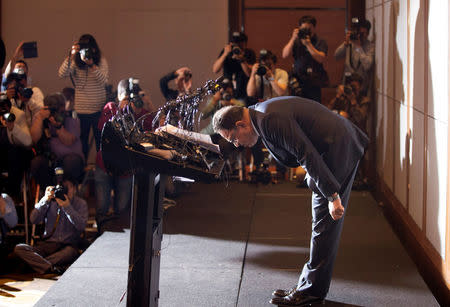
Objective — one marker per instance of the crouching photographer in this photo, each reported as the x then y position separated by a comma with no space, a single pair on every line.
56,134
65,216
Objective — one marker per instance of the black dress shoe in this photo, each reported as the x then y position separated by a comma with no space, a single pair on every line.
296,298
282,292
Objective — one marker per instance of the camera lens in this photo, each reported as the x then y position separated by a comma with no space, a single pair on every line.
262,70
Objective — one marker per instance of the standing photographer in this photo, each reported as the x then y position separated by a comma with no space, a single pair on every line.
309,52
65,216
233,61
358,52
16,82
266,81
15,141
88,71
183,80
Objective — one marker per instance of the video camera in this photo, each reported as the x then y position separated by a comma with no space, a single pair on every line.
134,92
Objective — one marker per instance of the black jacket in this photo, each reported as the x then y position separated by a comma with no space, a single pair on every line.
298,131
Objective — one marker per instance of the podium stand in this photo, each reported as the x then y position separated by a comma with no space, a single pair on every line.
149,175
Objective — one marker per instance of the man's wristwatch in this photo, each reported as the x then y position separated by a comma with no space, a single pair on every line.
333,197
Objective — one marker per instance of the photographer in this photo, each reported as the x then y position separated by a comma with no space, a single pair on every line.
16,82
88,71
233,61
266,81
15,140
358,52
65,216
309,52
131,99
183,81
56,134
350,101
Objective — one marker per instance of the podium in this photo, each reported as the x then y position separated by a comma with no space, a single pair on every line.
149,176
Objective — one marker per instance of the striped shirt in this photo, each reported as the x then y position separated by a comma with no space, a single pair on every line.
90,94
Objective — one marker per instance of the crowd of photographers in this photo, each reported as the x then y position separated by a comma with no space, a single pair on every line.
39,135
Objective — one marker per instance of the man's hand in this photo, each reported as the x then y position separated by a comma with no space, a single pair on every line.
306,41
43,113
347,38
19,51
8,125
54,123
49,193
63,203
255,68
336,209
227,49
295,33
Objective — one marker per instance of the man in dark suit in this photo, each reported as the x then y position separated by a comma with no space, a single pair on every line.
299,131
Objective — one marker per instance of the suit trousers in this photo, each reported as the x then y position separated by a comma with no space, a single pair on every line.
316,275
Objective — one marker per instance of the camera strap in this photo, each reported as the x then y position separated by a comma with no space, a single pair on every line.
54,225
68,67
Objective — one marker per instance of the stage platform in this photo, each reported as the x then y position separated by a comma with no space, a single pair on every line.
232,246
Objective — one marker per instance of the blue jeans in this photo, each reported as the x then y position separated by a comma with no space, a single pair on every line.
104,184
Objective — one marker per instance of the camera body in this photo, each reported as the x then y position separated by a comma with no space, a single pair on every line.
60,191
134,92
18,76
5,104
86,53
235,49
303,33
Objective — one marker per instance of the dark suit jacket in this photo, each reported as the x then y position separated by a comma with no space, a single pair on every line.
298,131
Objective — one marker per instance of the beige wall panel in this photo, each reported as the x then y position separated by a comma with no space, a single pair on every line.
388,154
389,47
377,32
377,2
401,50
417,55
400,147
369,4
145,39
379,132
436,184
416,168
438,59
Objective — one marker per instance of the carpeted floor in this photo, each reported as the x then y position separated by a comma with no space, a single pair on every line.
232,246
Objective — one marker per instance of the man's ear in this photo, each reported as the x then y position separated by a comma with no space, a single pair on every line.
240,123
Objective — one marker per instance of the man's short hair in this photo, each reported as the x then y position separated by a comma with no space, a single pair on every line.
122,89
55,101
365,24
226,118
23,62
307,19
